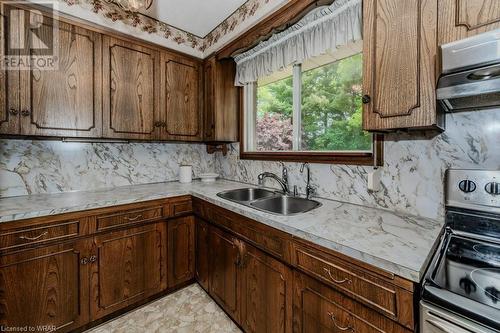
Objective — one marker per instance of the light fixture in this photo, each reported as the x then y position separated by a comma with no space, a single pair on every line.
133,5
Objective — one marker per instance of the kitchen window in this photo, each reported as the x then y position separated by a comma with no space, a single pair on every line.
303,92
309,112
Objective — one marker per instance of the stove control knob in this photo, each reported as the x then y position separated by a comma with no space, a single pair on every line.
467,186
492,188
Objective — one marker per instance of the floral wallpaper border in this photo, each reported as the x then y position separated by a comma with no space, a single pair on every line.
152,26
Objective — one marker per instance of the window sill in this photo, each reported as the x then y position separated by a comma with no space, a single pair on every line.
375,158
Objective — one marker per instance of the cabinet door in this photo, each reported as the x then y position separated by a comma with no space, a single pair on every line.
202,253
130,90
181,250
222,101
266,293
224,275
180,98
65,101
128,266
209,92
227,102
45,287
9,79
460,19
399,77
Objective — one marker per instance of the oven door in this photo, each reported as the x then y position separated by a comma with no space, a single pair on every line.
437,320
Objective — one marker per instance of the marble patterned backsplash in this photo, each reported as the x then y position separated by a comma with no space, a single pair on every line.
33,167
413,172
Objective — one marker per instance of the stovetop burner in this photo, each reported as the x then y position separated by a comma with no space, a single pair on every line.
470,268
487,281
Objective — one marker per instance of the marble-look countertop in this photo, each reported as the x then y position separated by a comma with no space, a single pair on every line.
397,243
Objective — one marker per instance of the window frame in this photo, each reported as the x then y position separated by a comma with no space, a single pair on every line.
375,157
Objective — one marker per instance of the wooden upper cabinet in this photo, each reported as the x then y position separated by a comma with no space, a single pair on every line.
9,86
400,47
460,19
180,100
127,266
222,101
45,287
66,100
130,90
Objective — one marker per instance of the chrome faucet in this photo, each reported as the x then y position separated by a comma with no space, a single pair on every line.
310,191
283,181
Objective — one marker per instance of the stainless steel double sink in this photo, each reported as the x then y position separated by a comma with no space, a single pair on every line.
269,201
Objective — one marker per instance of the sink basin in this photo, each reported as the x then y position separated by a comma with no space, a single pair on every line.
246,194
285,205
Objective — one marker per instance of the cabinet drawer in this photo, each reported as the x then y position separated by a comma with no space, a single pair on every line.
371,290
127,217
182,206
11,239
318,308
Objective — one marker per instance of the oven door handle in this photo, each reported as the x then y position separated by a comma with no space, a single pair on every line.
438,325
446,328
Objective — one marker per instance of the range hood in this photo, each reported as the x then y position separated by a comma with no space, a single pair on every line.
471,73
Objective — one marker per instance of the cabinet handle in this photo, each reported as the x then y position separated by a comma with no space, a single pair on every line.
84,261
327,271
241,253
135,218
93,259
366,99
25,113
337,326
160,124
34,238
13,112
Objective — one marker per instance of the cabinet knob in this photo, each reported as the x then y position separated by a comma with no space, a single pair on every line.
13,112
93,259
366,99
84,261
160,124
25,113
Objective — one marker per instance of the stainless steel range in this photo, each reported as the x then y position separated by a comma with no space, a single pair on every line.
461,290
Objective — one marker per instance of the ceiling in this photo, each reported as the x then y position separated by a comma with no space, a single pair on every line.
198,17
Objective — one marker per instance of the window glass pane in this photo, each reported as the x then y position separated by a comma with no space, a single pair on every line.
274,113
331,105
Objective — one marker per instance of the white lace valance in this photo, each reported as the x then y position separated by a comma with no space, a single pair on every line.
325,28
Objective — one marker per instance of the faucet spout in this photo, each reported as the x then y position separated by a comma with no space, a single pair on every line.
283,183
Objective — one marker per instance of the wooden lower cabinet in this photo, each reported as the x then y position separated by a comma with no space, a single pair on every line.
224,273
181,250
318,308
46,286
266,293
252,287
127,266
202,253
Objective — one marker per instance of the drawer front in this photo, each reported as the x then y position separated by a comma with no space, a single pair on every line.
128,217
268,239
11,239
181,207
372,291
318,308
322,315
